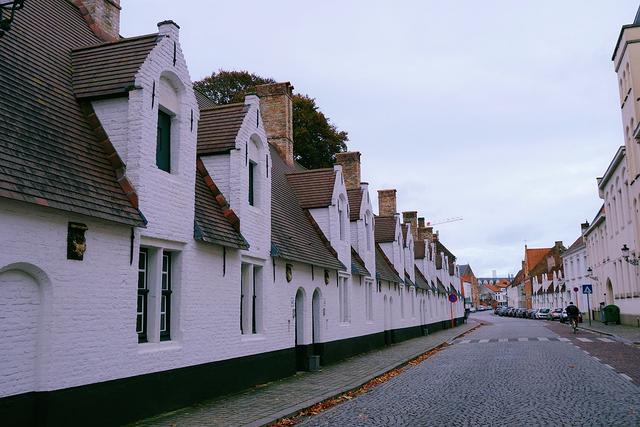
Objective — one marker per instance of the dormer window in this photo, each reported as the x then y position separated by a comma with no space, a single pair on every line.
163,143
252,174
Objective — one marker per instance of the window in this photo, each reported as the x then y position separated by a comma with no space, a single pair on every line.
367,226
252,167
341,218
251,299
165,298
343,300
143,291
163,143
369,300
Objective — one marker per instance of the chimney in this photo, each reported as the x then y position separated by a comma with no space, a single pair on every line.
277,115
584,226
425,233
386,202
102,16
411,217
421,222
558,243
350,162
170,29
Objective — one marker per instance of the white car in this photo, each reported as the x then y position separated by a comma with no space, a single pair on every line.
543,313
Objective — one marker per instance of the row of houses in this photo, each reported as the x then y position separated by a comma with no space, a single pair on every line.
159,249
605,255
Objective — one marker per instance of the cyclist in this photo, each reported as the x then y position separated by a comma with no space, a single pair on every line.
572,314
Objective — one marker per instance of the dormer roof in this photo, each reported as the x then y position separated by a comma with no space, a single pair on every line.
384,268
355,202
421,281
358,264
219,126
51,152
314,187
109,69
385,229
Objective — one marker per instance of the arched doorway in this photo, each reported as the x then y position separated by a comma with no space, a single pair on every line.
609,295
315,316
21,308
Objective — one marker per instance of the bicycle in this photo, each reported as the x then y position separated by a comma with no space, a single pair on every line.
573,321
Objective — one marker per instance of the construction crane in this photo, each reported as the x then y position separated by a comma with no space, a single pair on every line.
445,221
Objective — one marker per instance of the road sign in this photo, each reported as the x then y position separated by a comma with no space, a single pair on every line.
453,298
587,289
575,289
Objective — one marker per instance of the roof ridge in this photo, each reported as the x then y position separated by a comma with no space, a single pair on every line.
122,40
222,106
310,171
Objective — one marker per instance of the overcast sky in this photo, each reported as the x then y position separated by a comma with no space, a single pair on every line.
502,112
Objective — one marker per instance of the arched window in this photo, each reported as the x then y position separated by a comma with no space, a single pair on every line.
368,226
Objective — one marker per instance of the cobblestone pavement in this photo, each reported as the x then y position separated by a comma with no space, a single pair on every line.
493,382
628,333
265,404
619,355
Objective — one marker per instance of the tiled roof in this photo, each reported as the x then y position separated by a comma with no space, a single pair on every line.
50,153
442,248
314,187
421,281
109,69
384,268
441,287
219,126
355,201
419,249
293,235
465,269
534,256
385,230
215,222
203,100
403,227
578,244
357,264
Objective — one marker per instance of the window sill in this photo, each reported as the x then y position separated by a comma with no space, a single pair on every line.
252,337
344,324
154,347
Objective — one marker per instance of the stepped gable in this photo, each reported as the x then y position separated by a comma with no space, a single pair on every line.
314,187
219,126
294,236
109,69
215,222
50,152
384,268
355,201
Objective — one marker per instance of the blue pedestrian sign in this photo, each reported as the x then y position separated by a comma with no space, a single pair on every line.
587,289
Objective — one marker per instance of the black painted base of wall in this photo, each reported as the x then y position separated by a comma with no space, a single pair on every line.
126,400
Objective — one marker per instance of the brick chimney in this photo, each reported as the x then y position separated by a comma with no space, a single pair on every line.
411,218
350,162
387,202
421,222
276,109
585,225
102,16
425,233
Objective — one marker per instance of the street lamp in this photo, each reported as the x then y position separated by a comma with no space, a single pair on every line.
627,257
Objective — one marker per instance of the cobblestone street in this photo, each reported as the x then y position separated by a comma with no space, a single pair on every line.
509,372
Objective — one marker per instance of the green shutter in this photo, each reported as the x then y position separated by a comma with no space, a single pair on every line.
163,144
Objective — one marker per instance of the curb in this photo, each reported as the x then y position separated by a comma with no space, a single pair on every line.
309,403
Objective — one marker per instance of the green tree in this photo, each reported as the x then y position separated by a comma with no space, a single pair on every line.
316,139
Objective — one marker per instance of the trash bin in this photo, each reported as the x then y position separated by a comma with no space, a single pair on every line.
611,313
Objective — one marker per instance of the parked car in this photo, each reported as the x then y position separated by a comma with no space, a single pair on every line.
556,314
531,313
543,313
512,312
522,313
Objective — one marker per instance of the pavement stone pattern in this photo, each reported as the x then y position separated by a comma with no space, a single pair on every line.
532,382
264,404
625,332
617,353
523,339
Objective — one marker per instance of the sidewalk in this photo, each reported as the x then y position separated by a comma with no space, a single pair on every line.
626,333
264,404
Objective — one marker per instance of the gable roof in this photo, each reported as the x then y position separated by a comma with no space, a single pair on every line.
407,279
293,235
355,202
465,269
214,222
50,153
385,229
219,126
535,255
441,287
109,69
314,187
357,264
384,269
440,247
575,246
203,100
